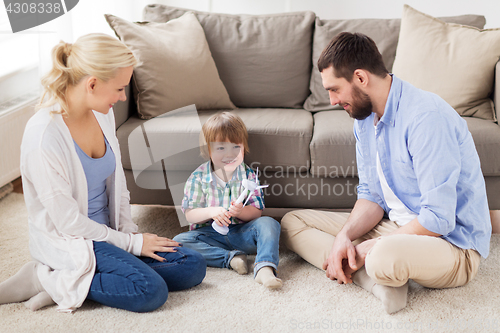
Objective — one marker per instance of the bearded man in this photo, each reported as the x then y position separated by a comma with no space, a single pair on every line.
421,211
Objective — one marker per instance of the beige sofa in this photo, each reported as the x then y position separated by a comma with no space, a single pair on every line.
304,147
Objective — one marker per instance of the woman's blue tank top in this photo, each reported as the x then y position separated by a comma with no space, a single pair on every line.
97,170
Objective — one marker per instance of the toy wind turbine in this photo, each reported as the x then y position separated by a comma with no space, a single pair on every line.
248,188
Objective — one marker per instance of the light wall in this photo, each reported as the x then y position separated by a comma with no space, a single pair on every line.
88,17
345,9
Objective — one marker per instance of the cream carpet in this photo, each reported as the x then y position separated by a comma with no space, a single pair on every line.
227,302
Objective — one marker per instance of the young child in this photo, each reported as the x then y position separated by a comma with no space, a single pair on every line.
210,194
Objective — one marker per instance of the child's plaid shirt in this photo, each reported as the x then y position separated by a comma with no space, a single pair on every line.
202,190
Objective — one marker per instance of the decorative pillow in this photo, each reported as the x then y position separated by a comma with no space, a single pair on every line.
384,32
177,67
454,61
263,60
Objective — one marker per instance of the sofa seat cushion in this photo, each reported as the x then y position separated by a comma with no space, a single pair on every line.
263,60
486,135
333,146
278,139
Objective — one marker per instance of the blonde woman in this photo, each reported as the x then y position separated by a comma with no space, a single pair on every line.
82,239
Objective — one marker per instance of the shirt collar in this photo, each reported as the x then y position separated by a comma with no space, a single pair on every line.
208,177
392,105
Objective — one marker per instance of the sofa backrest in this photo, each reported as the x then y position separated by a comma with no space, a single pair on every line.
263,60
271,60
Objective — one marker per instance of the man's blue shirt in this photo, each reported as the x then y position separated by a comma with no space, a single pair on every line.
430,162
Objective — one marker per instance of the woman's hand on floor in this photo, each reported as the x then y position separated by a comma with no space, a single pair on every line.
153,243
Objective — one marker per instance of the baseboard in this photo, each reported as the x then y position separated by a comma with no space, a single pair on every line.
6,190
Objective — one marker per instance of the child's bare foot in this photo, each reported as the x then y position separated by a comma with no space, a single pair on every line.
239,264
266,277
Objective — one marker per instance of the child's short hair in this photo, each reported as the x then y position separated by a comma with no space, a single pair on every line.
220,127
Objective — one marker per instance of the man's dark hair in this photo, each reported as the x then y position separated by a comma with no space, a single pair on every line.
350,51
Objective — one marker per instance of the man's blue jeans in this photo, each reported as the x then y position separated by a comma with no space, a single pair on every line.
259,236
141,284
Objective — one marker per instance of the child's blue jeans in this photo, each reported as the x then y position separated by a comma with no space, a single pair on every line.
141,284
259,236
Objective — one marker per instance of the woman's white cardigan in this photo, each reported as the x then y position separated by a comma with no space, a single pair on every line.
56,195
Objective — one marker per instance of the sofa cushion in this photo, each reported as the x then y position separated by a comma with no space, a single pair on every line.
333,146
384,32
177,68
486,135
454,61
263,60
496,94
278,139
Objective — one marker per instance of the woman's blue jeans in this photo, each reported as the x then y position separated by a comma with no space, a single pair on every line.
259,236
141,284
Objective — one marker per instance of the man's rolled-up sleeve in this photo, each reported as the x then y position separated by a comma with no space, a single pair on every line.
363,189
434,148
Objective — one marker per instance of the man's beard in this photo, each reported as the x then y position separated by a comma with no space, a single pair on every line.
361,106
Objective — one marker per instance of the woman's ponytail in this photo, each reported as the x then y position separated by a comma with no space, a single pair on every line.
96,55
